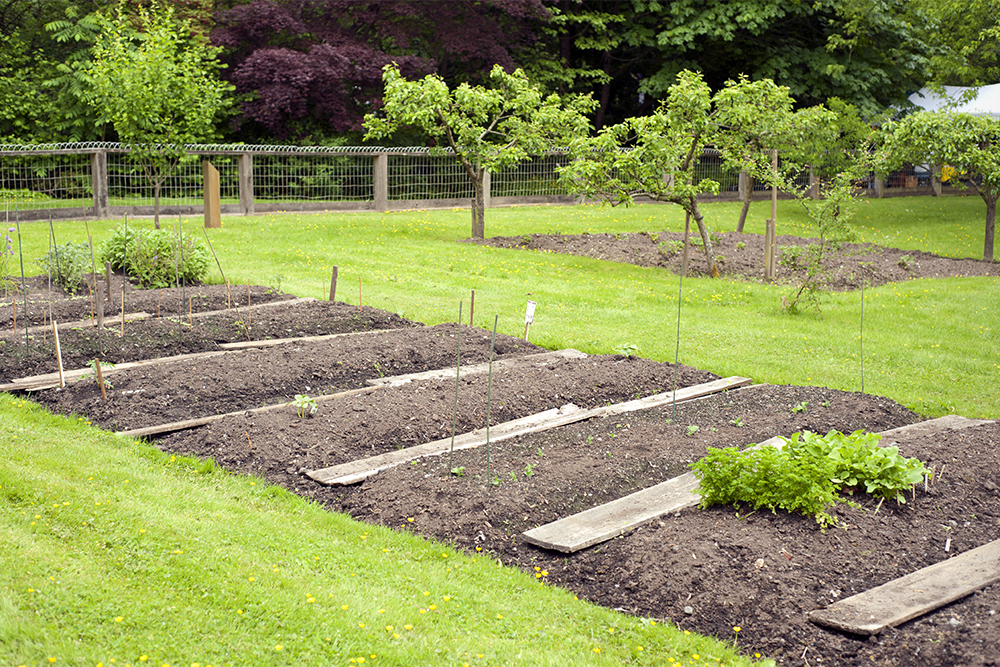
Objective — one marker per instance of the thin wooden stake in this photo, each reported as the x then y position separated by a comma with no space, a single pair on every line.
458,374
247,434
91,293
229,300
123,306
100,379
159,293
489,390
107,278
333,284
249,314
472,306
190,316
359,294
55,331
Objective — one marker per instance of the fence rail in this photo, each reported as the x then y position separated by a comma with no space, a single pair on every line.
97,179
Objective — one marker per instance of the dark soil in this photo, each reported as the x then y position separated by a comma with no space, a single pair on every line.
742,257
705,570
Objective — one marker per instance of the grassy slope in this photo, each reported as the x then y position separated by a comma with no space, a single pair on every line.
76,501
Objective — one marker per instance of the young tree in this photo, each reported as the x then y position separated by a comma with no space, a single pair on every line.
655,156
963,148
158,88
484,128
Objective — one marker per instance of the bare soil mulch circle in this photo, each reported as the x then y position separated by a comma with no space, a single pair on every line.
707,571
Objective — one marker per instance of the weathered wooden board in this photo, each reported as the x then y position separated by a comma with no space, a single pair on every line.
608,521
360,470
913,595
51,380
300,339
203,421
357,471
89,324
529,360
612,519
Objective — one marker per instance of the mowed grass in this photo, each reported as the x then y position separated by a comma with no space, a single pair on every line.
114,550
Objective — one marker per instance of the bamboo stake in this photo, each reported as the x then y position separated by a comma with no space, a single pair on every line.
489,390
24,288
359,294
190,317
472,306
91,293
123,306
249,314
458,373
100,379
159,293
333,284
55,331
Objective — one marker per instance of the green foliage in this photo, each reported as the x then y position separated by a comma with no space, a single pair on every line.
806,474
159,88
626,349
92,365
66,264
304,406
656,156
156,257
483,128
968,144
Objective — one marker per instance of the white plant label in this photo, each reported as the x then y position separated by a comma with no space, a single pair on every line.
529,315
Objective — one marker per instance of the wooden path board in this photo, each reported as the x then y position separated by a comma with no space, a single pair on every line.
360,470
608,521
204,421
612,519
914,594
91,324
243,344
541,359
51,380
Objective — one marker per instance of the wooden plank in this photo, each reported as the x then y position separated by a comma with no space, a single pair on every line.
914,594
608,521
612,519
50,380
668,397
203,421
540,359
358,471
89,324
300,339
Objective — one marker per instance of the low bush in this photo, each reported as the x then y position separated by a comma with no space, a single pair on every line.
66,264
807,474
156,257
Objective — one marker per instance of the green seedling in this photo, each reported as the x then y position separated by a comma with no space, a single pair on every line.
529,470
692,429
626,349
458,471
92,365
304,406
801,407
738,422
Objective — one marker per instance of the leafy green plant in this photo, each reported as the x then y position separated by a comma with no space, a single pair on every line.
626,349
66,264
692,429
92,365
738,422
671,247
156,257
905,262
458,471
529,470
304,406
806,474
801,407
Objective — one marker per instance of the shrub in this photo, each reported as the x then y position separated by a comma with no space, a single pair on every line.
66,264
155,258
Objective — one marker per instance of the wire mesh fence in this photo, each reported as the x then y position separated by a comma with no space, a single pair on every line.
101,179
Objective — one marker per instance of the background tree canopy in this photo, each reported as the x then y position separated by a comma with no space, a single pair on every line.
309,70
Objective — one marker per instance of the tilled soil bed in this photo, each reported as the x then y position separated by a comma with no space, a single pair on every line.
705,570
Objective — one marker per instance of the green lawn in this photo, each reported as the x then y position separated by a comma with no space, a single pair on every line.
113,550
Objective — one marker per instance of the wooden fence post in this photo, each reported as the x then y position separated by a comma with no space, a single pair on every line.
244,165
380,185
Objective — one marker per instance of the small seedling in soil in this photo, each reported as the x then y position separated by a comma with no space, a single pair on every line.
626,349
513,475
92,364
801,407
304,406
741,245
529,470
826,404
738,422
904,262
459,471
539,452
692,429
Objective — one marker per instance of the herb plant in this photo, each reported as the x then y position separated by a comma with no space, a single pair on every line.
807,474
156,257
66,264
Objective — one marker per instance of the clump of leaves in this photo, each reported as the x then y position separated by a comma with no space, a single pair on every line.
66,264
156,257
304,406
92,364
905,262
806,474
626,349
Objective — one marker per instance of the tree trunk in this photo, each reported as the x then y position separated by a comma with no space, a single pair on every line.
478,207
747,198
713,270
991,216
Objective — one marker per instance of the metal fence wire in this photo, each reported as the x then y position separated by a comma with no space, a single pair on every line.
63,176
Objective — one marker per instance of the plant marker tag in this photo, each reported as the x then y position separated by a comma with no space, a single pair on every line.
529,316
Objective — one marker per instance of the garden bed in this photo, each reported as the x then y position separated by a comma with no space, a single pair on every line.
707,571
